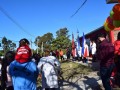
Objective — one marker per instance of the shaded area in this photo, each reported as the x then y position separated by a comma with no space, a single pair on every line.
91,83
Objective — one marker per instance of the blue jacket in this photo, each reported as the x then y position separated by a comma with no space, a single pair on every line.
24,76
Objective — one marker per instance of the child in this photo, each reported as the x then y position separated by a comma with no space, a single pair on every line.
23,53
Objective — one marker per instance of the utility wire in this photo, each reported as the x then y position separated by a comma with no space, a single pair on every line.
14,21
79,8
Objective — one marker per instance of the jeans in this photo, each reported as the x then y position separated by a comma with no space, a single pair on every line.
105,73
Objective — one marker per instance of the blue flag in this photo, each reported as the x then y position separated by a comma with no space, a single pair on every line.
83,43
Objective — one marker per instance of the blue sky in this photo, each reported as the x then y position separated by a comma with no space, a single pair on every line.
38,17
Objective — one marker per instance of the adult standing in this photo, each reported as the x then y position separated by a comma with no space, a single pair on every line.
61,55
117,58
6,82
68,53
57,54
105,54
49,67
93,50
23,70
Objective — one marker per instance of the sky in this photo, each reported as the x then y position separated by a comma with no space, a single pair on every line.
31,18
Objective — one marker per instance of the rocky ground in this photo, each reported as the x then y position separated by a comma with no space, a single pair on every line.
91,81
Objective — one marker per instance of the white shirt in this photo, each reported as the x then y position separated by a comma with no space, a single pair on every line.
93,48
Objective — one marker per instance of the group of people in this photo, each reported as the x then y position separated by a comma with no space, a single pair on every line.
109,56
85,52
59,54
20,69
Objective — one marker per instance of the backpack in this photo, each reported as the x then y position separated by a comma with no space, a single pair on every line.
54,67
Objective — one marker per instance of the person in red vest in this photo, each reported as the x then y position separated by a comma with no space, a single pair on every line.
23,53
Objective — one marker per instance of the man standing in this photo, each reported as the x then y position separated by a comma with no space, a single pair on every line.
93,50
68,53
49,67
105,54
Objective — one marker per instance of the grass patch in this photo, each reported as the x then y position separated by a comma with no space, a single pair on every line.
72,69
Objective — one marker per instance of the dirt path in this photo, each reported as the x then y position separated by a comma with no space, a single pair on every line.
91,81
88,82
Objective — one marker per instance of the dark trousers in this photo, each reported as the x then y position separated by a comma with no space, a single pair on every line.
85,60
61,58
94,57
105,73
10,88
68,56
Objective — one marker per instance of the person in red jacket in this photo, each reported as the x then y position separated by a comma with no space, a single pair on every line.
23,53
117,59
117,52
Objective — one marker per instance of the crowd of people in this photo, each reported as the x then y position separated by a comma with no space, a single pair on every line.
20,69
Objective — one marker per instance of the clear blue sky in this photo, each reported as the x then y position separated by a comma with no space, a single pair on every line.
39,17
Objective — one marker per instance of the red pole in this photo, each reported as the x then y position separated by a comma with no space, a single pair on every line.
112,36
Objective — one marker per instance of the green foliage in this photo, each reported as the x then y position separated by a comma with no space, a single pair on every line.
1,53
46,39
71,69
7,44
61,41
62,32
